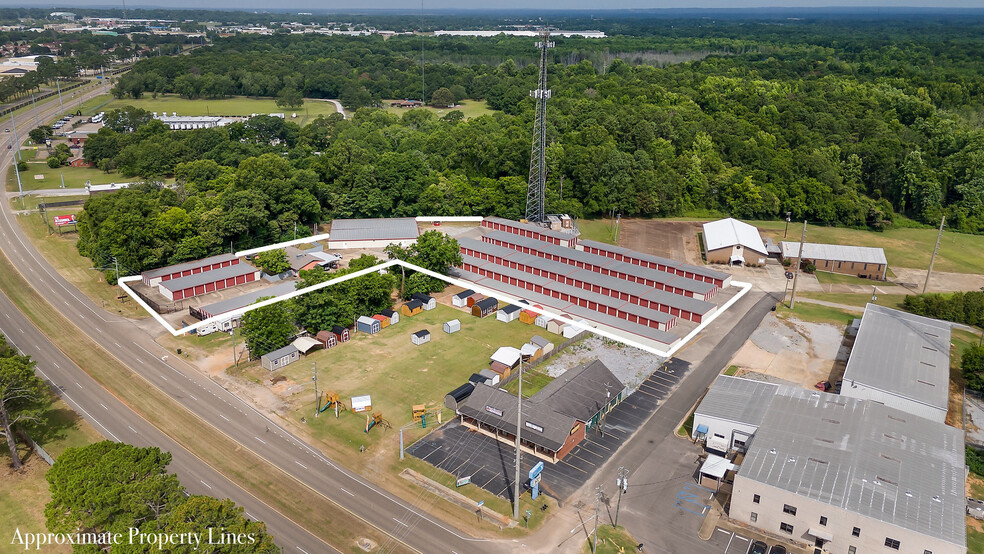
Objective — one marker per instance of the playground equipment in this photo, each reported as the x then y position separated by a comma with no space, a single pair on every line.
418,412
332,401
376,419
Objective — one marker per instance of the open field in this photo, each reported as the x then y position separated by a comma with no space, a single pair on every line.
959,253
828,278
470,108
75,177
597,229
395,373
59,250
234,106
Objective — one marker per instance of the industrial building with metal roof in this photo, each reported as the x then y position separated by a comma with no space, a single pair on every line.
731,411
243,300
854,476
153,277
729,241
372,233
861,261
208,281
901,360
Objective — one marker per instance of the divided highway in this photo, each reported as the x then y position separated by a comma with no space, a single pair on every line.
402,523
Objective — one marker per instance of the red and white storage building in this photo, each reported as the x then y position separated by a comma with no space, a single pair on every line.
208,281
154,277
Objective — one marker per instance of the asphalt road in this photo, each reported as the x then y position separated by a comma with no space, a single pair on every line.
401,522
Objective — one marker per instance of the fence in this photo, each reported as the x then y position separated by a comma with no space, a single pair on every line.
63,204
37,447
26,103
157,307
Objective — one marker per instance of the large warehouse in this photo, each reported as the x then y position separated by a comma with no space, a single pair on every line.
901,360
853,476
733,242
372,233
154,277
555,419
860,261
208,281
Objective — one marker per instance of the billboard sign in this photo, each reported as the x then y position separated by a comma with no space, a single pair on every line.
62,220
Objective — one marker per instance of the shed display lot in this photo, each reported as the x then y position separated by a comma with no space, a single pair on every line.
462,452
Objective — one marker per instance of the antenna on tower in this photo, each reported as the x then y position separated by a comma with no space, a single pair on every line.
535,211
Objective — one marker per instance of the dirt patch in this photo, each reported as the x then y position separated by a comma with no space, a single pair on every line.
795,351
676,240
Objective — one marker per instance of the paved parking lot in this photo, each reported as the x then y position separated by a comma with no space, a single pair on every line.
728,542
490,463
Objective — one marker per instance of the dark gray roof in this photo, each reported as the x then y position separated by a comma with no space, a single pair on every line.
188,265
581,391
422,297
902,354
387,313
280,352
338,329
298,258
487,303
556,426
511,308
422,333
396,228
242,268
737,399
243,300
414,304
465,293
539,341
865,458
462,392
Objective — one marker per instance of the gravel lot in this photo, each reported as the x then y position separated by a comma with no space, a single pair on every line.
631,365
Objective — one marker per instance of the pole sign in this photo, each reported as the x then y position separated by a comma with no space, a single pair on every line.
62,220
535,479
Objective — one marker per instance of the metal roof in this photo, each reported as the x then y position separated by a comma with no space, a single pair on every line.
396,228
865,458
366,320
506,355
486,303
902,354
465,293
511,308
725,233
736,399
280,352
211,276
422,333
489,248
304,344
545,231
177,268
834,252
414,304
581,391
247,299
695,269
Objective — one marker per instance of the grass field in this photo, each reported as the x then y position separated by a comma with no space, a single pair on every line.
816,313
234,106
533,381
395,373
470,108
828,278
860,300
75,177
611,540
31,201
959,253
59,250
596,229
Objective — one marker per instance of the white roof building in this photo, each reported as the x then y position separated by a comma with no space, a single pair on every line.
725,240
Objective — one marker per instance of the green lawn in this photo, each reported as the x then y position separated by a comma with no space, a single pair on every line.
396,373
815,313
611,540
234,106
600,230
470,108
829,278
975,538
959,253
860,300
75,177
533,381
687,428
31,201
731,371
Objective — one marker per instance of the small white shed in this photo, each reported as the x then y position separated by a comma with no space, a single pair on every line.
509,313
420,337
452,326
460,300
571,331
542,320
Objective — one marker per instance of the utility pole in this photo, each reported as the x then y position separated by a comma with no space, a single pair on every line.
932,259
317,399
13,128
37,122
20,190
622,483
594,548
799,262
232,335
786,230
60,105
519,426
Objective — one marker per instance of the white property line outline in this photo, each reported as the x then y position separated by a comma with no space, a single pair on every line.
744,288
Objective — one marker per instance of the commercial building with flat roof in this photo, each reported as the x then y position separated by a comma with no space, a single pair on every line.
731,411
901,360
241,301
853,476
860,261
372,233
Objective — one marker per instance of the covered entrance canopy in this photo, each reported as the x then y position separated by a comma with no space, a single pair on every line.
820,534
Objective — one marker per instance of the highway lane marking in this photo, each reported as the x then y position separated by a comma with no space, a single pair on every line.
400,522
165,378
56,365
347,492
227,419
192,396
39,349
105,408
249,514
259,439
132,429
118,346
300,464
204,483
305,551
81,409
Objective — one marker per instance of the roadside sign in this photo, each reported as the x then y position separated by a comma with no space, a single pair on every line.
535,479
535,470
62,220
481,503
463,481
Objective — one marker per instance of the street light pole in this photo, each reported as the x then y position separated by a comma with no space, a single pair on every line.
594,547
799,262
13,128
932,259
317,399
622,484
519,425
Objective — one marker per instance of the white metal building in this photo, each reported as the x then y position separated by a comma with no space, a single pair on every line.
452,326
372,233
733,242
731,412
901,360
508,313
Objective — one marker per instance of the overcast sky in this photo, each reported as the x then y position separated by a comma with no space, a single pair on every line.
358,5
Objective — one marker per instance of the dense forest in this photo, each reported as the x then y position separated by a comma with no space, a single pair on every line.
857,123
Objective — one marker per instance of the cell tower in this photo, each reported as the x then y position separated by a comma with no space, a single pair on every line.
535,211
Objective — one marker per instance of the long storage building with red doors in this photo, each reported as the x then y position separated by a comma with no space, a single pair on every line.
155,277
208,281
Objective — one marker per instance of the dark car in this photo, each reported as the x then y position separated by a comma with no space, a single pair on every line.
823,386
778,549
758,547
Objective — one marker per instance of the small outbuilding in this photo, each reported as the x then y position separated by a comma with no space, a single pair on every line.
507,356
367,325
528,316
491,377
280,357
458,396
420,337
341,333
485,307
508,313
545,345
542,320
460,300
306,344
412,308
361,403
452,326
384,321
471,300
393,315
531,351
556,326
327,339
428,301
